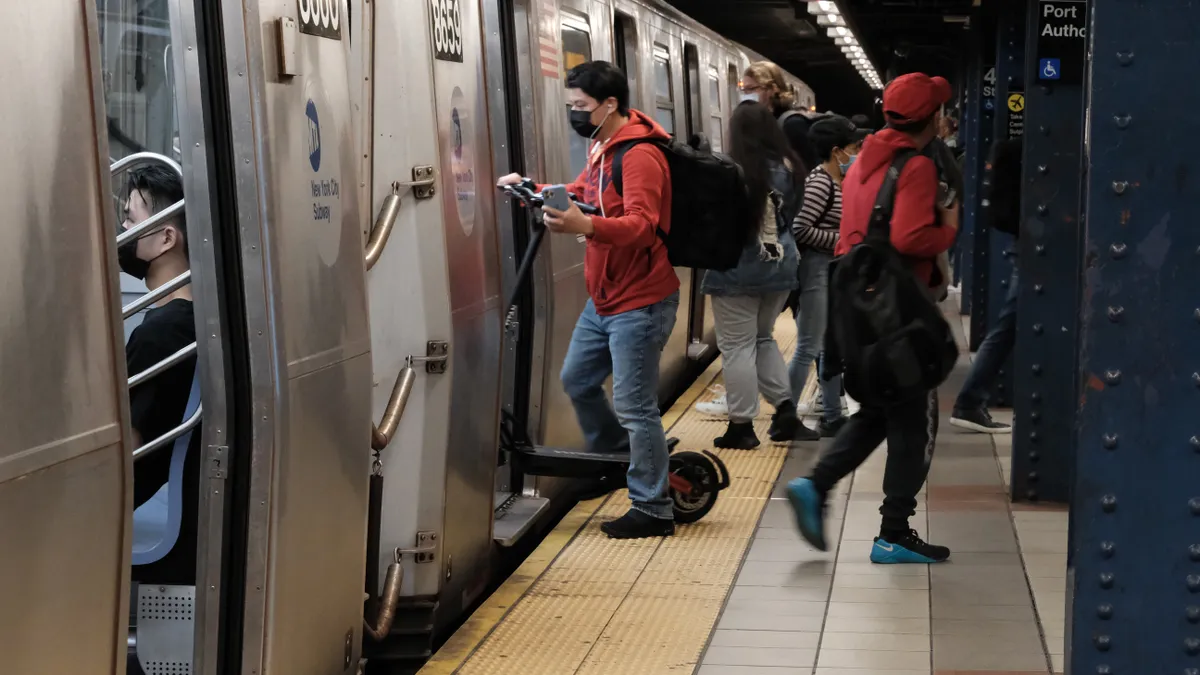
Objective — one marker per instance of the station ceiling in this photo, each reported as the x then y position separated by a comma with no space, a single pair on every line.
899,36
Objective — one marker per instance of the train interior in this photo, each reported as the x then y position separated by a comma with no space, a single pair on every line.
351,368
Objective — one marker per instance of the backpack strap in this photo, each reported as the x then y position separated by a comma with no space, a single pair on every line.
618,157
880,224
617,160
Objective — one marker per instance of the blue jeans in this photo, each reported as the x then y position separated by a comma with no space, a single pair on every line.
992,354
812,313
628,346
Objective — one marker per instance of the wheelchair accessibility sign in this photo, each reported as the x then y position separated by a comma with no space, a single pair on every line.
1049,69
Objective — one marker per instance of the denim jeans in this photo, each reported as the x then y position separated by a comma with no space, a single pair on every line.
627,346
811,316
745,334
992,354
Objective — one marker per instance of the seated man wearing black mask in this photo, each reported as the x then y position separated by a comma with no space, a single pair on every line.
157,405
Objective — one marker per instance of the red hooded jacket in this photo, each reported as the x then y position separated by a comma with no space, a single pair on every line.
916,232
626,264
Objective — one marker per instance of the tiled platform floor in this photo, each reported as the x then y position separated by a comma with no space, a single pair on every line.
997,608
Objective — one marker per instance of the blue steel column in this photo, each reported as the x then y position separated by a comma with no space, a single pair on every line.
1010,79
1135,537
981,102
1046,383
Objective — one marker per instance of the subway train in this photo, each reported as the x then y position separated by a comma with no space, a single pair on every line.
350,260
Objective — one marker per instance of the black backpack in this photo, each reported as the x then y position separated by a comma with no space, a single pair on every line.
888,335
709,203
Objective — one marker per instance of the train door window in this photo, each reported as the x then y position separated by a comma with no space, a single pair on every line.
626,41
577,49
138,77
714,108
691,86
664,101
734,84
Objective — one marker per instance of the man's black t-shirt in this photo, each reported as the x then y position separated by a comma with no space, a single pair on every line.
157,405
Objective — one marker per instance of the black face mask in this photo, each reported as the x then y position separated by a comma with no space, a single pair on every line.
581,122
129,262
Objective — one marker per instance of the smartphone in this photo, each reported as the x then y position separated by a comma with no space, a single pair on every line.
555,196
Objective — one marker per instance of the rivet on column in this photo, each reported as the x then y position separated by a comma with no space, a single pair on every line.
1118,250
1104,611
1108,503
1106,579
1038,329
1194,552
1112,377
1108,549
1122,121
1102,642
1120,186
1192,613
1037,369
1125,58
1114,313
1193,583
1110,441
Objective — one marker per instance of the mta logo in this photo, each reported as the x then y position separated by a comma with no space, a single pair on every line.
314,136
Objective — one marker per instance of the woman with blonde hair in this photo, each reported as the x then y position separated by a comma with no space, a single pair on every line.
764,82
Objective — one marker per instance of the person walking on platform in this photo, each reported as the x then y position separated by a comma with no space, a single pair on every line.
921,227
633,289
764,83
816,230
747,299
970,408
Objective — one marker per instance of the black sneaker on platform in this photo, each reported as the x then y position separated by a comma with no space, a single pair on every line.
831,429
786,426
978,420
638,525
907,547
738,436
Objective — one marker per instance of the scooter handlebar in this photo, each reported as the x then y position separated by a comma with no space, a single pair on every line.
525,192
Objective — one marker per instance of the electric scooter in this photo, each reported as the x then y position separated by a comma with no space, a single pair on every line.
695,478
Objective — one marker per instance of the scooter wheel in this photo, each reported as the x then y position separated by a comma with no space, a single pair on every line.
695,483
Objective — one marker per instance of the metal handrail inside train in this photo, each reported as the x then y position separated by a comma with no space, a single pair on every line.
124,164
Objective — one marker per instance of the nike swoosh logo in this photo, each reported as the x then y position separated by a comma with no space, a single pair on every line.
889,548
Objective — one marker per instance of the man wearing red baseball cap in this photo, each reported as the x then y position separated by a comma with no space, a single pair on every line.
923,226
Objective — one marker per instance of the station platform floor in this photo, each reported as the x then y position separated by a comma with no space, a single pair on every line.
740,593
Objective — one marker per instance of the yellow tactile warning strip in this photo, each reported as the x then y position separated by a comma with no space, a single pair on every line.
586,604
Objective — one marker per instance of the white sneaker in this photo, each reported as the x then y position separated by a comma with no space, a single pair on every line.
717,407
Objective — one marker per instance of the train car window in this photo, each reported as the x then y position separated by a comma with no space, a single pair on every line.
626,41
138,75
714,106
691,87
577,49
734,84
664,104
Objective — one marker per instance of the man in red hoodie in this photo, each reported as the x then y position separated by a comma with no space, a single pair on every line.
633,289
922,228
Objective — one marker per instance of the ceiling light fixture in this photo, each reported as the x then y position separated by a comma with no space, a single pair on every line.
830,16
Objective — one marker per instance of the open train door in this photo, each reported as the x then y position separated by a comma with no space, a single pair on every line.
65,462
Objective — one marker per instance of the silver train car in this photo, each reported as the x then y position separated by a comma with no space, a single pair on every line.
349,259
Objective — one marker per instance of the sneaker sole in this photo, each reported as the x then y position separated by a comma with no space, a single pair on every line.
900,556
801,509
967,424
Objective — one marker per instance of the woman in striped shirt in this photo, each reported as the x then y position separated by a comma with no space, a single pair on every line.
816,229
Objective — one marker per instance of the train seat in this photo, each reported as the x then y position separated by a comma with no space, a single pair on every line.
158,522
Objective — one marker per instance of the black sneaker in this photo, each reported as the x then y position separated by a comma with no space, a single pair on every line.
893,549
638,525
831,429
978,420
786,426
738,436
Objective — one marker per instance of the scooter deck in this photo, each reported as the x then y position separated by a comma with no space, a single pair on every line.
570,463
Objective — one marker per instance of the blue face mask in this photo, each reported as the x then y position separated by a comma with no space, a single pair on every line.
846,167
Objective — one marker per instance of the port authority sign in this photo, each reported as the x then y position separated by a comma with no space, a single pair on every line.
1062,27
